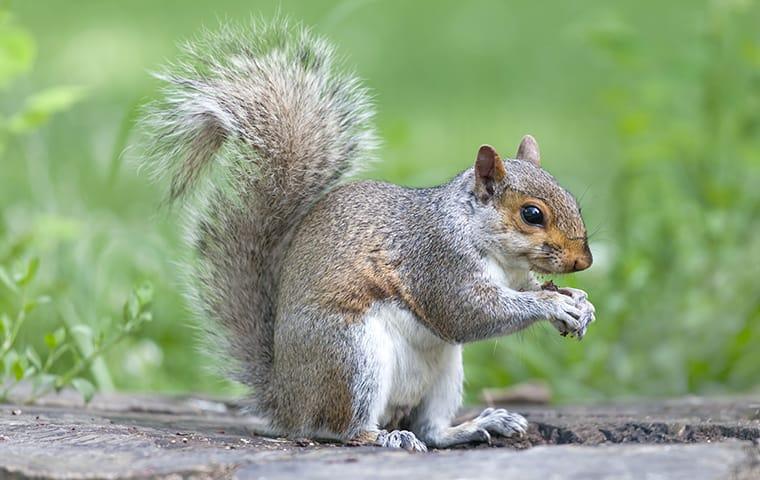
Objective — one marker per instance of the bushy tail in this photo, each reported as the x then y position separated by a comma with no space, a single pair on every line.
266,121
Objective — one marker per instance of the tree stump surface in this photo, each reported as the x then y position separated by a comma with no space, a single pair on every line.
133,436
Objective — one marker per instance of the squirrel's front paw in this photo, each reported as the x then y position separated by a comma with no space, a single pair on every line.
587,309
501,422
571,312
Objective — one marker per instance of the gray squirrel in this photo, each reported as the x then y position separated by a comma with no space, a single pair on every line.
344,305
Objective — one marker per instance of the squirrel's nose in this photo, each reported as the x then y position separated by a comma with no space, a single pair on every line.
582,263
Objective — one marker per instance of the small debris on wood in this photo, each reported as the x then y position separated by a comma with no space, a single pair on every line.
550,286
303,442
275,440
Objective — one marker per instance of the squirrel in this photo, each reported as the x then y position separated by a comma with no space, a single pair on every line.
344,305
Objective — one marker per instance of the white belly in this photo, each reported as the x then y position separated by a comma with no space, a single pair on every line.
411,358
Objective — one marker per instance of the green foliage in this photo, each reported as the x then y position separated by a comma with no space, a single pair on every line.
679,308
39,107
78,341
19,360
17,52
652,119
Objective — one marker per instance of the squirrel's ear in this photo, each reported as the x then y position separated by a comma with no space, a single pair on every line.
528,150
489,170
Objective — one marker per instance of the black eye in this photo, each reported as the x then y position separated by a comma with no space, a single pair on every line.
532,215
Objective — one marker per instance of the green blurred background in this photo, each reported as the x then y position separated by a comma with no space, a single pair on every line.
648,111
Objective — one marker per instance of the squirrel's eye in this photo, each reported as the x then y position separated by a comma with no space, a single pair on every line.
532,215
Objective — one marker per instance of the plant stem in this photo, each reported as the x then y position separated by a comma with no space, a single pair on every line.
80,366
20,317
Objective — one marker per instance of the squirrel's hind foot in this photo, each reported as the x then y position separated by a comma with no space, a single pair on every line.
400,439
393,439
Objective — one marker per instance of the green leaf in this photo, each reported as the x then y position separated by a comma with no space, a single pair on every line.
84,387
131,307
29,273
144,294
100,338
41,106
8,362
53,339
59,335
17,51
7,281
17,369
50,341
5,324
17,247
83,332
33,358
30,305
139,299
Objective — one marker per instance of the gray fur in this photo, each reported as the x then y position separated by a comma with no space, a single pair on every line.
435,239
292,126
295,271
